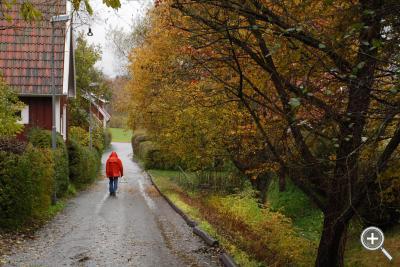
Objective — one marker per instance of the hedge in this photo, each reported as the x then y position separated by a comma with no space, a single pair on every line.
151,156
107,138
25,192
101,139
29,173
42,139
84,163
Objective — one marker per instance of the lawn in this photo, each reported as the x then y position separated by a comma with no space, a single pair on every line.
121,135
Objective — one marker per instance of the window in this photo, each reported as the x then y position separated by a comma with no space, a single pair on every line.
24,115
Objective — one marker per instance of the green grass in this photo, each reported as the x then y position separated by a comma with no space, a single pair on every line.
293,203
121,135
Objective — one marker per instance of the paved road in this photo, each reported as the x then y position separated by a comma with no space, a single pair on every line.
136,228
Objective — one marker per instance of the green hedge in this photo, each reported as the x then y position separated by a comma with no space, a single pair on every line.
42,139
101,139
151,156
25,192
107,138
84,163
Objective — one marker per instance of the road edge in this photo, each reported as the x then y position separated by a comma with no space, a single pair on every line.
224,257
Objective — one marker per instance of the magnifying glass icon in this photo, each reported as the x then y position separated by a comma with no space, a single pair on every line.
372,238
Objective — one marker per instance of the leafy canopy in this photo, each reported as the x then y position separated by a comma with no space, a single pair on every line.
9,108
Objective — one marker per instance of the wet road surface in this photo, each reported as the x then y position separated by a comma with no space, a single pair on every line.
135,228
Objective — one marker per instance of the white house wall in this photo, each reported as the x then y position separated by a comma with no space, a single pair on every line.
67,52
58,113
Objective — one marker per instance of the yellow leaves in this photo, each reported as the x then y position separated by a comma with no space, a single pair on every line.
332,157
182,106
389,182
272,167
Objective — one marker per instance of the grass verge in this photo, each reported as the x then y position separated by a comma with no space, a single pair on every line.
235,219
356,255
306,217
121,135
254,236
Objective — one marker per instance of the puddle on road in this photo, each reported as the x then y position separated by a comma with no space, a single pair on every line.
129,189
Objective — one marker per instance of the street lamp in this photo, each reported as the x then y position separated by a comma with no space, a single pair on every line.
54,19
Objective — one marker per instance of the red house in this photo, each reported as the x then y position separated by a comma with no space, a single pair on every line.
98,108
25,64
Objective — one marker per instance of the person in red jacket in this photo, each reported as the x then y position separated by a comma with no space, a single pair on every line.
114,170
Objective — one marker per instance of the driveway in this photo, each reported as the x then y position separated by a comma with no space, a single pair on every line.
135,228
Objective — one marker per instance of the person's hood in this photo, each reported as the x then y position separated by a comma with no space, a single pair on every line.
113,155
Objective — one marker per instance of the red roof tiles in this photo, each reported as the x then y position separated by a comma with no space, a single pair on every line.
25,51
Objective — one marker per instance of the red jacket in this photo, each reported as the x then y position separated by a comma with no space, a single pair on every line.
114,166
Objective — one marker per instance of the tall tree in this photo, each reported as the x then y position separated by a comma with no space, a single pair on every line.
89,80
123,42
326,76
329,71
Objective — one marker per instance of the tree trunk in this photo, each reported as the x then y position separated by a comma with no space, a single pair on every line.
282,180
263,182
332,243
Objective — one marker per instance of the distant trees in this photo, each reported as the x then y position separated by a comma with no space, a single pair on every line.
123,42
310,90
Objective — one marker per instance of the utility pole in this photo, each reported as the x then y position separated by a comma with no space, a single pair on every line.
90,120
91,85
54,19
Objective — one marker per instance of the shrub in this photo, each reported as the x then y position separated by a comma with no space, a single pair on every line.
157,159
9,106
117,120
137,138
98,139
151,156
101,138
269,236
12,145
42,139
144,148
83,163
383,206
61,165
107,138
25,192
80,135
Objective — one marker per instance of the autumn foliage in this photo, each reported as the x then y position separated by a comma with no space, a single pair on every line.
280,89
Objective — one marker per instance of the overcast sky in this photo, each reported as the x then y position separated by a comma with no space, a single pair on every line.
104,18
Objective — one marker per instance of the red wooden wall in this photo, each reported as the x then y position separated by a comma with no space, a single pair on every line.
39,111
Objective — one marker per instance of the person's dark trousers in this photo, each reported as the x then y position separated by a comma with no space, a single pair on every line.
113,184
